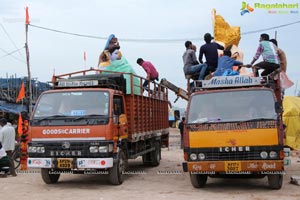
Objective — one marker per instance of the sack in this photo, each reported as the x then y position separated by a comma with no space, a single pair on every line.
230,72
285,82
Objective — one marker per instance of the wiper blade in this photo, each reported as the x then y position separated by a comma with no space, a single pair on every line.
257,119
51,117
205,120
87,116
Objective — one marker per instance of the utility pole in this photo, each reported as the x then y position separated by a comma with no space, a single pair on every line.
28,64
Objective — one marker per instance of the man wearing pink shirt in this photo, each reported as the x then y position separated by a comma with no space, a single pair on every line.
149,68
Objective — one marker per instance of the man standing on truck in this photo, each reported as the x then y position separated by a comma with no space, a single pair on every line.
268,50
149,68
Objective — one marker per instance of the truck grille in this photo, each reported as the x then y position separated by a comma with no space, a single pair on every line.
73,150
232,156
242,153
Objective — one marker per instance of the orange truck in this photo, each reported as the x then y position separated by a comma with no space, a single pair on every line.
94,121
234,128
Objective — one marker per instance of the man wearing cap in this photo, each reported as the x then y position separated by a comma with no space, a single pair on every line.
7,138
210,51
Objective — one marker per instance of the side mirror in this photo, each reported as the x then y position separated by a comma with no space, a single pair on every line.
278,107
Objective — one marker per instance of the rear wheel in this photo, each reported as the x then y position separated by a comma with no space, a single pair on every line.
146,159
198,180
48,177
116,173
155,155
275,181
153,158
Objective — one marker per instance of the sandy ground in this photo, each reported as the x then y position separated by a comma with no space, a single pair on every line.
166,181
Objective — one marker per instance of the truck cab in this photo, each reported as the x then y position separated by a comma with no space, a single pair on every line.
234,127
92,124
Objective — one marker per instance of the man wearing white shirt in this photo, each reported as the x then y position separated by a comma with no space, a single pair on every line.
7,138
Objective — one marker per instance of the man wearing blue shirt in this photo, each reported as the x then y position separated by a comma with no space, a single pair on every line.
225,62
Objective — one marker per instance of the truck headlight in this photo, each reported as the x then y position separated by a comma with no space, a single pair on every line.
31,149
263,155
110,147
93,149
193,156
40,149
103,149
273,154
201,156
34,149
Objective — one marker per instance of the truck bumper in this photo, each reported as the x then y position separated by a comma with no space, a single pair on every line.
78,163
251,166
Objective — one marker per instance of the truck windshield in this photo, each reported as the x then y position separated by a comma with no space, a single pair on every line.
72,104
232,106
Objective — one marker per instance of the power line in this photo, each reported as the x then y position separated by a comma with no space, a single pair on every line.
156,40
105,38
10,54
271,28
10,38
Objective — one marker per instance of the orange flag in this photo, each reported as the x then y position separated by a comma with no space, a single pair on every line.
21,93
20,124
27,16
84,56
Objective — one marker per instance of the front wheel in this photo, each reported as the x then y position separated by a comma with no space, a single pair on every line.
275,181
16,158
198,180
48,177
116,173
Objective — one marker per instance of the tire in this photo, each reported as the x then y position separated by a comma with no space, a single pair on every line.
155,156
198,180
275,181
146,159
49,178
116,173
16,158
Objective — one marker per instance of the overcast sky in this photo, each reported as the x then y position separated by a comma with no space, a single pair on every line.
133,19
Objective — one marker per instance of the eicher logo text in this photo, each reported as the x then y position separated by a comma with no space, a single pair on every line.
233,149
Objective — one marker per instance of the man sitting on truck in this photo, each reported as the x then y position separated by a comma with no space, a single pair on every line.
268,50
225,63
210,51
190,64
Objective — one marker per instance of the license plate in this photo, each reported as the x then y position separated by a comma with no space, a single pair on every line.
233,166
64,163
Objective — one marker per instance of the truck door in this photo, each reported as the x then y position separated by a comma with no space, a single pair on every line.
119,116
